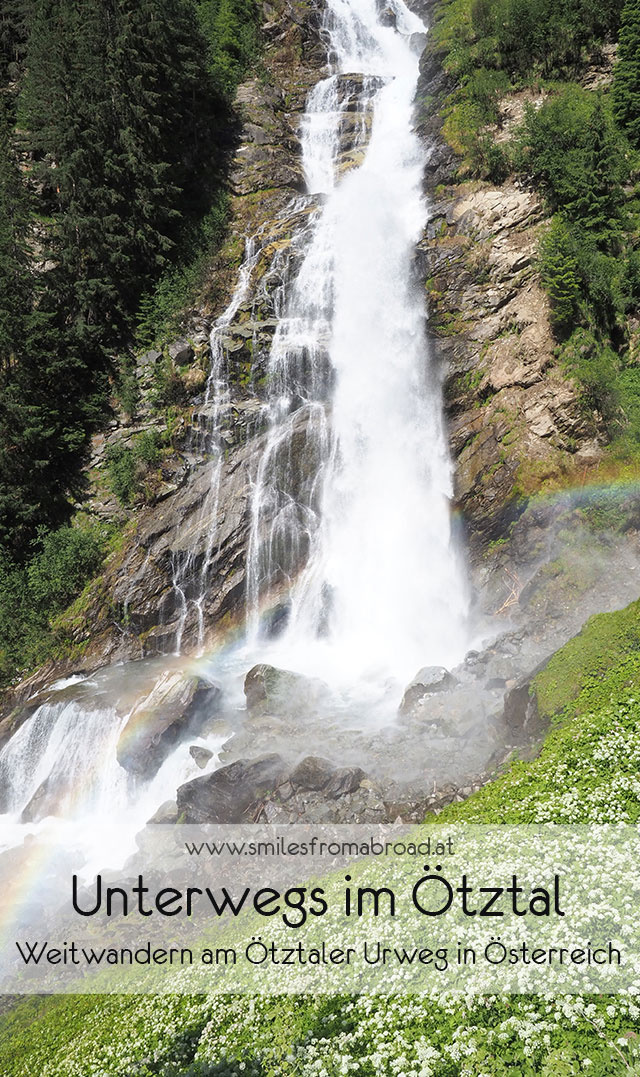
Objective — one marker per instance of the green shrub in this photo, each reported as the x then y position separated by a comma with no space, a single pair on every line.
161,309
66,559
34,593
128,391
628,391
148,447
571,151
121,468
595,367
127,464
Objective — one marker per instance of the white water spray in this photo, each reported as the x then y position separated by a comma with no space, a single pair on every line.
382,591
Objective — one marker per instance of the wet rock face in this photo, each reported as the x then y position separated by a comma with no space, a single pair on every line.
512,413
44,801
177,707
521,715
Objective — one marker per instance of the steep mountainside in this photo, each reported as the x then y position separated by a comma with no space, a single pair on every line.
519,421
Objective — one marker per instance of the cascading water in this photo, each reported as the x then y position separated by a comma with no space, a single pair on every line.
207,439
350,525
382,589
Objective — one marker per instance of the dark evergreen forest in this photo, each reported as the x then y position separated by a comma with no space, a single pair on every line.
115,128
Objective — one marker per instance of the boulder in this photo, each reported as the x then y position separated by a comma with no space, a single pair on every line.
388,17
178,706
225,795
312,773
181,352
521,715
166,813
269,690
426,682
345,780
148,359
200,755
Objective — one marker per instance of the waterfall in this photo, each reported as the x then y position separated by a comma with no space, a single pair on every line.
376,584
206,439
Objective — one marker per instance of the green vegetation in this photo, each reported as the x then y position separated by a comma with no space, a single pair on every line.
169,1036
160,308
626,83
34,593
559,269
127,465
606,643
578,149
115,131
572,152
491,46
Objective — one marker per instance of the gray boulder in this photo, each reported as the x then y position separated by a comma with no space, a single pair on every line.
521,714
200,755
269,690
427,681
178,706
148,359
181,352
345,780
312,773
225,795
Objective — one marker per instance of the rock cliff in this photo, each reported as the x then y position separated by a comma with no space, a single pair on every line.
515,418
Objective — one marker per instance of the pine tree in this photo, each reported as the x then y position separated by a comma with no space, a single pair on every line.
626,78
119,104
43,409
117,133
14,28
560,275
597,204
15,278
